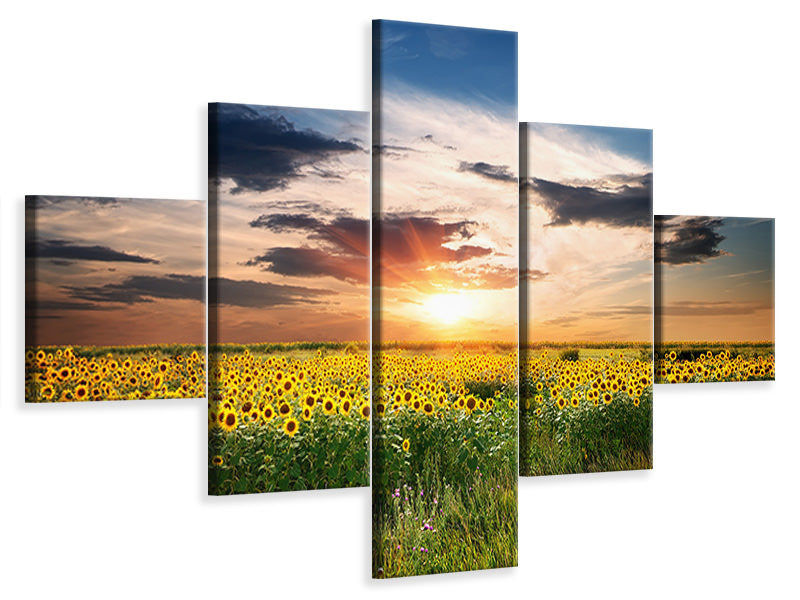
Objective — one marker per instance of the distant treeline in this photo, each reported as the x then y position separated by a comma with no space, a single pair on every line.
693,350
269,348
587,345
95,351
447,345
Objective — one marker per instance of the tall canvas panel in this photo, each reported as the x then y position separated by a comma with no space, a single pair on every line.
288,405
114,298
715,299
445,307
586,342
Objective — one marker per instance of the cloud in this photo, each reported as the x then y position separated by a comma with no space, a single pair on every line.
628,205
343,234
313,262
681,241
262,152
65,251
341,252
429,254
143,288
489,171
618,311
393,150
429,137
533,275
408,240
689,308
448,43
34,308
42,202
258,294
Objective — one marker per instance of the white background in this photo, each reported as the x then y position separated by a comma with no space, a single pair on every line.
108,500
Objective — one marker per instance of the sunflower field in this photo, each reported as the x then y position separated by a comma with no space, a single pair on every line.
293,419
444,461
78,374
690,362
586,410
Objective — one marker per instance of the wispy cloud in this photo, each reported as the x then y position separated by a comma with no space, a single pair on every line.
67,251
143,288
260,294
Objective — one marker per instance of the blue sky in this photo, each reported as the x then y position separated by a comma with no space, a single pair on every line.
471,65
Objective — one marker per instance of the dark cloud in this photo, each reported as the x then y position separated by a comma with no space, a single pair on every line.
429,138
341,252
261,152
66,251
34,307
533,275
143,288
416,251
303,206
41,202
489,171
257,294
343,234
407,240
313,262
692,240
61,263
630,205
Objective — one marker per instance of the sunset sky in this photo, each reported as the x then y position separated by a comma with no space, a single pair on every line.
292,191
446,149
114,271
717,277
589,265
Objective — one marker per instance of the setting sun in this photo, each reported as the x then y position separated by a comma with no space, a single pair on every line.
447,309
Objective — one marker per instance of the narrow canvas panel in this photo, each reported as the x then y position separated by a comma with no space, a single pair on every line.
715,299
445,306
587,335
114,298
288,299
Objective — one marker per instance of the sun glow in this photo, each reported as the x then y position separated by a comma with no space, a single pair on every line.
447,309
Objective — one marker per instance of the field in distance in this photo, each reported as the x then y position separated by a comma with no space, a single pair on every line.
701,362
585,407
84,373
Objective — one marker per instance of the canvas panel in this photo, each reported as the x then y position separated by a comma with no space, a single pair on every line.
715,299
445,306
114,298
586,340
288,299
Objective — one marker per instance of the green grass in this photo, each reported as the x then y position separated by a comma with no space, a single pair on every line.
257,455
617,437
433,526
448,503
585,438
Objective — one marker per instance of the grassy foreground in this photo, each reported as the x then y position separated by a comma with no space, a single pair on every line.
586,409
444,461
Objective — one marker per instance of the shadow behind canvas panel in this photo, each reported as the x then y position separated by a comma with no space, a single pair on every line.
445,240
288,299
715,299
114,298
587,300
